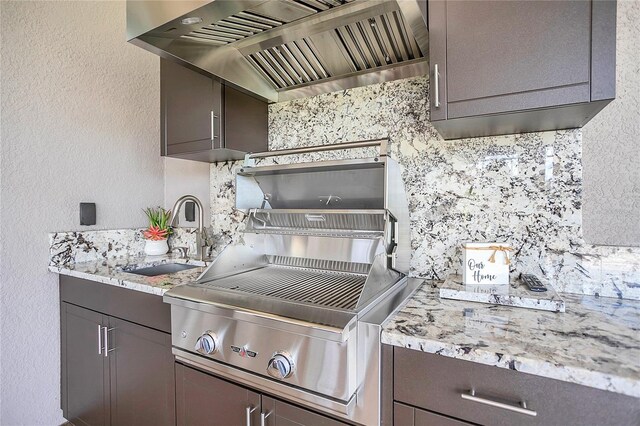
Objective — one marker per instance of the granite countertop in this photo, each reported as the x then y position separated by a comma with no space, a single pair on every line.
112,271
595,343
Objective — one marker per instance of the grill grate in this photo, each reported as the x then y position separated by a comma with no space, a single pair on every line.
331,289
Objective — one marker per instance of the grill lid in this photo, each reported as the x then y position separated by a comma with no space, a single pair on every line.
285,49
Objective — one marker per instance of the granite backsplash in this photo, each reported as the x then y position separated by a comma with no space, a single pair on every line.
524,189
72,247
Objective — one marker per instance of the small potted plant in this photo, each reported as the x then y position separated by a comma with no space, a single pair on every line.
158,231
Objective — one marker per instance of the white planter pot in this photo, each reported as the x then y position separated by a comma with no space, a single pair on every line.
156,248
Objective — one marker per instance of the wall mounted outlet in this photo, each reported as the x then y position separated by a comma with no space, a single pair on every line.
87,214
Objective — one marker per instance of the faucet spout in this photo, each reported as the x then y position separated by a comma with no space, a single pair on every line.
200,244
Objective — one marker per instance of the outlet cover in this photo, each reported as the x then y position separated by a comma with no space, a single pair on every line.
87,214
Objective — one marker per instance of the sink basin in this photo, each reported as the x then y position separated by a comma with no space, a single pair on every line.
164,268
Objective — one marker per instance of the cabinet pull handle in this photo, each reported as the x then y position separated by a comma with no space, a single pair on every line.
263,418
213,126
106,341
436,74
99,339
520,408
248,411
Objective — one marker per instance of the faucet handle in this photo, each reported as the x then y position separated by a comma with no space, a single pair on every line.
184,251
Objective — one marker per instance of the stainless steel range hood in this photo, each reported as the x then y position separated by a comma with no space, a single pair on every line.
286,49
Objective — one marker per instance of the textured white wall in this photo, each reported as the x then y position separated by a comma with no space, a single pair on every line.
611,147
80,122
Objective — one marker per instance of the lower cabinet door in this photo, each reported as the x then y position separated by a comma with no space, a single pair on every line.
142,375
278,413
202,400
404,415
84,368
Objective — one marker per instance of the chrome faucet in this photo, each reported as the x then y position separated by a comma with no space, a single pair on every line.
201,252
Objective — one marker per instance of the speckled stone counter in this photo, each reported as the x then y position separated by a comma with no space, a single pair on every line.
113,272
595,343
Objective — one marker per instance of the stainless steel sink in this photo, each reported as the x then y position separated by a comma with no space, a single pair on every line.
162,269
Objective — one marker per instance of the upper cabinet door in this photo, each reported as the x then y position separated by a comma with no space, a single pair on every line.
245,122
203,119
505,65
190,109
514,55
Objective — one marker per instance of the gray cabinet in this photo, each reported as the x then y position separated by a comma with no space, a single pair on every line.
404,415
283,414
203,119
202,399
85,373
441,386
142,375
506,67
205,399
114,370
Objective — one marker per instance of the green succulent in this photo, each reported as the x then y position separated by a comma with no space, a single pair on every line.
159,218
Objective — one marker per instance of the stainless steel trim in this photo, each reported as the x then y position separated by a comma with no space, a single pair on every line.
521,408
99,339
248,412
299,395
382,143
436,74
214,306
251,170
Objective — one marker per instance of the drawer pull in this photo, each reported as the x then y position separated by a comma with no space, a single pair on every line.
520,408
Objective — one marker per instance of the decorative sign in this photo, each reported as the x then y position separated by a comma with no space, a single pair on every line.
486,263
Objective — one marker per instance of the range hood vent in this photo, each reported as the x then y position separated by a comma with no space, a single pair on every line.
287,49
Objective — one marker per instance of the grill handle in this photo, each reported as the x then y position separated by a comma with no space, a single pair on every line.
382,143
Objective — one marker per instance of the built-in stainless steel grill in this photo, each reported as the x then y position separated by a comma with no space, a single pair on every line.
325,251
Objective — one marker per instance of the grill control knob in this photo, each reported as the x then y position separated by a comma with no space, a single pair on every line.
281,365
207,343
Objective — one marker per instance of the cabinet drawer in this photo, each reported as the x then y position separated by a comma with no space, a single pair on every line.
437,383
131,305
